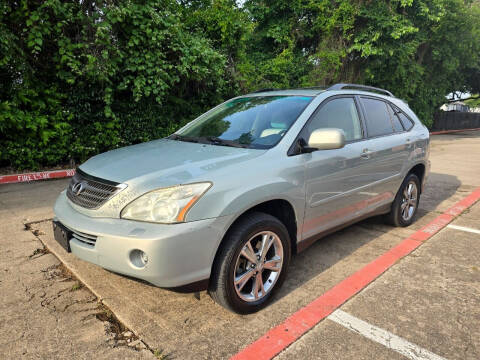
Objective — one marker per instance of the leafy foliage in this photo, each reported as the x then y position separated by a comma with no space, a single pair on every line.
419,49
474,101
82,77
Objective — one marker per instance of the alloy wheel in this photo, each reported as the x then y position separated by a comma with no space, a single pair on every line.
409,201
258,266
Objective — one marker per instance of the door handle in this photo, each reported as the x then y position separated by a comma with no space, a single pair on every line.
366,153
408,141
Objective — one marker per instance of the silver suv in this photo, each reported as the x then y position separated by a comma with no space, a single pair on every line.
225,202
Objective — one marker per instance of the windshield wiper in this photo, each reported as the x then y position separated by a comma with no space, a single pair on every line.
208,140
183,138
217,141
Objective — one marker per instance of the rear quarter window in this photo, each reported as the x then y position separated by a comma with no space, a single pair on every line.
404,119
407,123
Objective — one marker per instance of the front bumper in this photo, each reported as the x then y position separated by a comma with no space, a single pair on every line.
178,254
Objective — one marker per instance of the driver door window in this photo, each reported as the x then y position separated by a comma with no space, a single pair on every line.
340,113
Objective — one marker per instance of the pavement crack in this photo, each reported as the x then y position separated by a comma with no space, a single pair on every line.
38,253
68,305
28,225
86,310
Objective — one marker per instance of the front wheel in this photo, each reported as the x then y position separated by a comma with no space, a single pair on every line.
251,264
405,205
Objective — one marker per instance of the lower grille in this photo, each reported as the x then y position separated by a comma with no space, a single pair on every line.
84,238
90,192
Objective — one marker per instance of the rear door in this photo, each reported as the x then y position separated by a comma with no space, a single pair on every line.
388,146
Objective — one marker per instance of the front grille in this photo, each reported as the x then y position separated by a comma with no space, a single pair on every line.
84,238
90,192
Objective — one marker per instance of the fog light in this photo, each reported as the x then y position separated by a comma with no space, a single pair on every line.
138,258
144,258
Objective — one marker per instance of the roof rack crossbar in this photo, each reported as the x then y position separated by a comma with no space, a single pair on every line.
263,90
318,87
341,86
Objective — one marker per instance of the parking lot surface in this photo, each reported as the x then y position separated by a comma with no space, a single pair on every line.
431,298
427,304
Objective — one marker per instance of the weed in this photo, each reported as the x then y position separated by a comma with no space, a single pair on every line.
158,353
76,286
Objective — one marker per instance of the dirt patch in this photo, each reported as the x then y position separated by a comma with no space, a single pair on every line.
120,335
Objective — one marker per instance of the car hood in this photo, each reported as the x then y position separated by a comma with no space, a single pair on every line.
166,162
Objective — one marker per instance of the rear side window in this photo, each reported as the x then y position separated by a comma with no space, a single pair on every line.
377,117
339,113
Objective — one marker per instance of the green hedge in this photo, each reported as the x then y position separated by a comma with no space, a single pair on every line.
78,78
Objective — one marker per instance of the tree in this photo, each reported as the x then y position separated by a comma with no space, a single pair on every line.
81,77
420,50
84,77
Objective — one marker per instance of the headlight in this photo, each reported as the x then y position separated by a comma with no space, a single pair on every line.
167,205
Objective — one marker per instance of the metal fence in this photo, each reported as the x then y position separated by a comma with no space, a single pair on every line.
453,120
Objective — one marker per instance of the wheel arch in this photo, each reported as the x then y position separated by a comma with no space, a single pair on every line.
419,169
281,209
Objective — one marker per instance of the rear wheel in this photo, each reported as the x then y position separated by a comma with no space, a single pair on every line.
252,263
405,205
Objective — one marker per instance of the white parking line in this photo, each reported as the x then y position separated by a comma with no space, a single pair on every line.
463,228
383,337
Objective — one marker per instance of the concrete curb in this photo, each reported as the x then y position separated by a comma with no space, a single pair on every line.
451,131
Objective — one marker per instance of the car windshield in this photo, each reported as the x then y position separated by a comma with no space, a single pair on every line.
257,122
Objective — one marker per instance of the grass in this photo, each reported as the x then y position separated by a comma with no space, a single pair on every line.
76,286
159,354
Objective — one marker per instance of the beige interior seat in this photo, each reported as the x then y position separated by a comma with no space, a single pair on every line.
270,131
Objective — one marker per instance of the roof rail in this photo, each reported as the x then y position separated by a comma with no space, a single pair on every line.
317,87
341,86
263,90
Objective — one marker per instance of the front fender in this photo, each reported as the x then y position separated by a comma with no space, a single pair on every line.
237,200
262,194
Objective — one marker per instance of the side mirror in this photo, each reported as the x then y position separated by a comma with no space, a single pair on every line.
326,139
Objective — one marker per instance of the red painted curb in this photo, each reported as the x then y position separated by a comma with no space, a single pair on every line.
281,336
451,131
43,175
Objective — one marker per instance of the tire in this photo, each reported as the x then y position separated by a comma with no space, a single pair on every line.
231,263
396,215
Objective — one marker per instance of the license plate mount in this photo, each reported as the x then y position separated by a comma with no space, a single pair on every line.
62,235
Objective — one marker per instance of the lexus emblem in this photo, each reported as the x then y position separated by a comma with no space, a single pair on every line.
78,188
